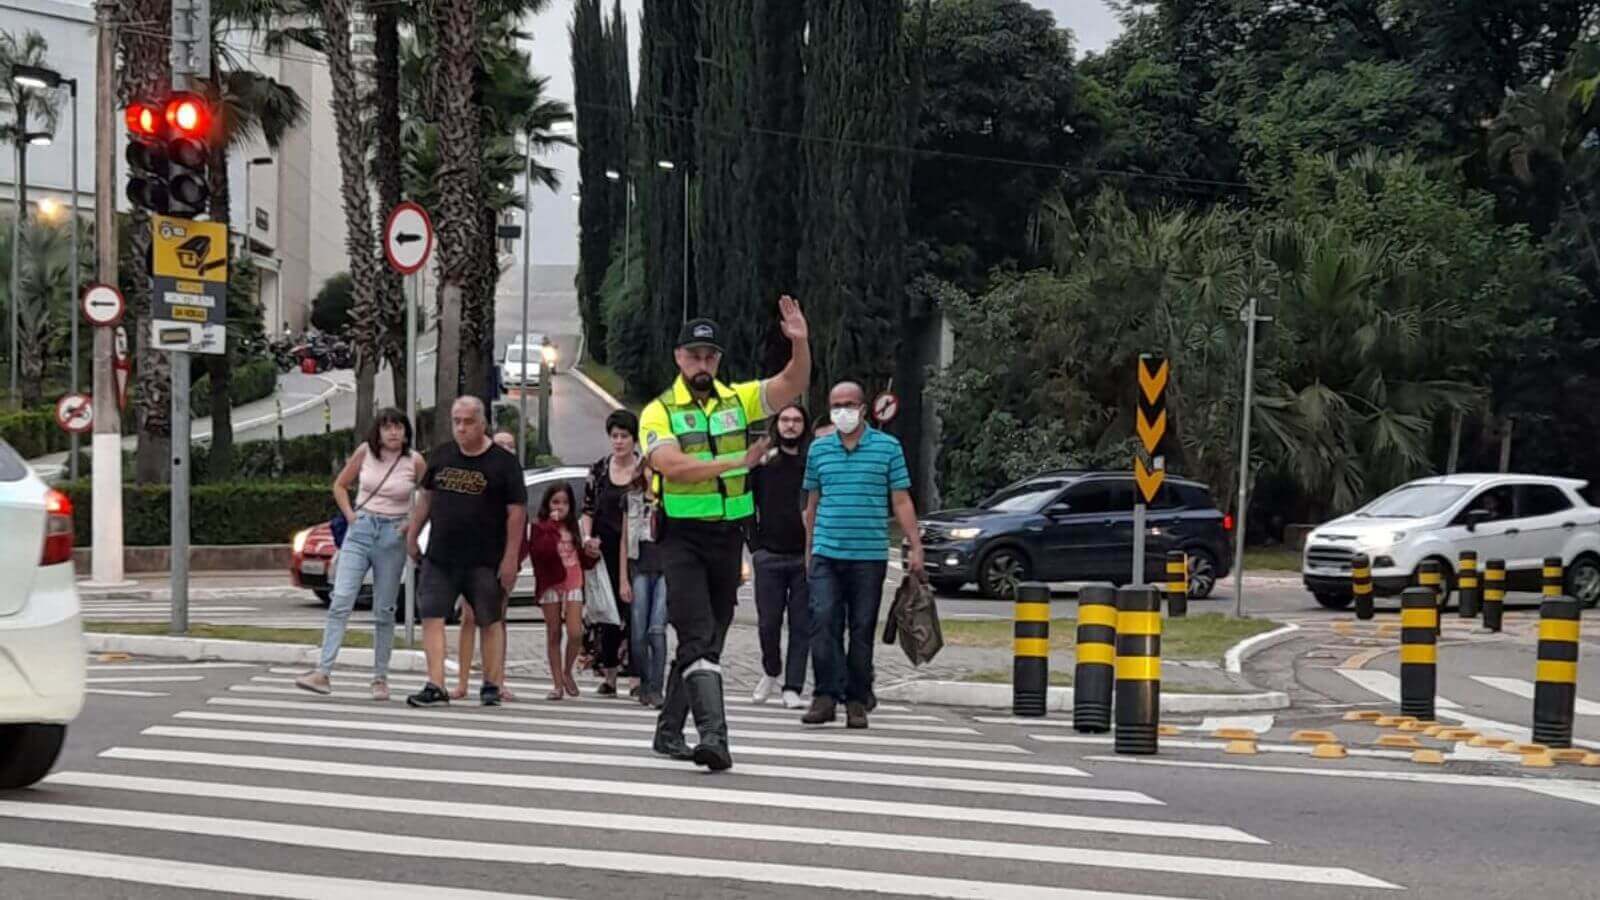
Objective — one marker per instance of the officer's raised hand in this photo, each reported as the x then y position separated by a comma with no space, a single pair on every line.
793,321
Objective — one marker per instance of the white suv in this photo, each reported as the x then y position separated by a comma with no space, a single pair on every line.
1521,519
42,659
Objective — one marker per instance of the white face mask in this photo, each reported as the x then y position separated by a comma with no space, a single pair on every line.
846,420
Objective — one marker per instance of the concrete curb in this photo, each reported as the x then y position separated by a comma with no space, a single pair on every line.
596,389
194,649
1234,659
1059,699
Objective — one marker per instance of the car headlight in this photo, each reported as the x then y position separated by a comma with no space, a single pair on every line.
300,540
965,534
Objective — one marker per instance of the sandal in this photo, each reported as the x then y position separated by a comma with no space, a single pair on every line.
554,695
572,686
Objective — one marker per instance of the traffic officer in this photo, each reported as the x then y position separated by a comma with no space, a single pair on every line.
696,436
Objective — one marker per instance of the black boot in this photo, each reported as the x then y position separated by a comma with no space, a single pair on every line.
705,696
669,722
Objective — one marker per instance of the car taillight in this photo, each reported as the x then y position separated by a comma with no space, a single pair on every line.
1227,521
57,530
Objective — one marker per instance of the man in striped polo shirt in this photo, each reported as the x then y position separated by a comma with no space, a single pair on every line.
852,477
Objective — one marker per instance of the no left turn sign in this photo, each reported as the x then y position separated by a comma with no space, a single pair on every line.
885,408
75,413
408,238
102,305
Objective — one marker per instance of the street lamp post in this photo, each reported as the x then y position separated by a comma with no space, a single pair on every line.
42,78
669,166
25,139
549,356
1250,318
627,224
522,336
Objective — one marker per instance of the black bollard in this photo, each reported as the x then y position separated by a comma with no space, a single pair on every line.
1419,652
1177,584
1555,689
1097,656
1361,584
1138,670
1030,670
1494,593
1468,592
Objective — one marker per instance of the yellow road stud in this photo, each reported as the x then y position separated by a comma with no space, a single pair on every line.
1526,749
113,657
1590,759
1362,715
1488,740
1240,748
1235,734
1538,761
1428,757
1568,755
1306,736
1456,734
1417,725
1392,721
1433,730
1168,730
1400,741
1328,751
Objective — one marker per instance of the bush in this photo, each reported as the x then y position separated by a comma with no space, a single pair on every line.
330,310
33,432
251,381
229,513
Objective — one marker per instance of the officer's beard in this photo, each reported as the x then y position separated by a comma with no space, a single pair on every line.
701,383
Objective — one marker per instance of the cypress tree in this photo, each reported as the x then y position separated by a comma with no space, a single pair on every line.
591,82
773,210
852,256
619,94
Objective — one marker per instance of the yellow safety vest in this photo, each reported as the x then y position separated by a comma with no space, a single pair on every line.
717,433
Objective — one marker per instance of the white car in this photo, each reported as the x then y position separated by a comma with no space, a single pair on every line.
42,656
1521,519
524,362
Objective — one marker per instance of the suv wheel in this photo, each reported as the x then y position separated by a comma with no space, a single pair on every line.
1202,574
27,752
1583,581
1328,600
1000,571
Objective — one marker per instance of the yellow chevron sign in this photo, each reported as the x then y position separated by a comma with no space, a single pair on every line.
1152,382
1149,479
1150,432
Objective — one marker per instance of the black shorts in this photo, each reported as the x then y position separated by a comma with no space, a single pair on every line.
440,585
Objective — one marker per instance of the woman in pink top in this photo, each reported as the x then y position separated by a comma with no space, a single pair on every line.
560,557
385,470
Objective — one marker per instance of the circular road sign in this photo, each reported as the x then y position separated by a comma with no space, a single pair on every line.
408,238
103,305
75,413
886,407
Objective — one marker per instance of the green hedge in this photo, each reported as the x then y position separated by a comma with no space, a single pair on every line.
232,513
33,432
250,382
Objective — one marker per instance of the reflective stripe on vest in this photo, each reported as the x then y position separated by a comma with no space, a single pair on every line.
718,435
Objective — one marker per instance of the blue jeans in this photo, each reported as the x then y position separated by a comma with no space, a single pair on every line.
380,544
647,638
845,595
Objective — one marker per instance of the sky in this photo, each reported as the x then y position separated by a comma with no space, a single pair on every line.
555,215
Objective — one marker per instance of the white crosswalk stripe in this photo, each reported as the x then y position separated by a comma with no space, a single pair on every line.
1524,689
292,789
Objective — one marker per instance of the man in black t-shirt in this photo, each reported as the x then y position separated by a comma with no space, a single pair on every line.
473,495
778,550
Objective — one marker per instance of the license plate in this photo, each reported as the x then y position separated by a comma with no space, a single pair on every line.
313,567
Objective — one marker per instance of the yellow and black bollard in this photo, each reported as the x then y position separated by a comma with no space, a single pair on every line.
1429,576
1555,690
1030,675
1494,593
1138,670
1177,584
1467,590
1097,657
1361,584
1419,651
1551,578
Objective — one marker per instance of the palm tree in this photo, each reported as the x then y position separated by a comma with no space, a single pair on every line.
44,286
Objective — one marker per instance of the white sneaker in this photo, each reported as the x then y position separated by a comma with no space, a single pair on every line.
791,700
765,688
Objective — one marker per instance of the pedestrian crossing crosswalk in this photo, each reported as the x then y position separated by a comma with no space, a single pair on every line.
258,788
145,679
1520,687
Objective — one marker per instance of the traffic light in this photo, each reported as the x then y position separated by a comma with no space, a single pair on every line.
169,155
148,166
188,152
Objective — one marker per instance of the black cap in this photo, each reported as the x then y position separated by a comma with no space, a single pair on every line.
700,333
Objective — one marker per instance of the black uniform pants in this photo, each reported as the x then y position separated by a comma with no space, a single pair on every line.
702,562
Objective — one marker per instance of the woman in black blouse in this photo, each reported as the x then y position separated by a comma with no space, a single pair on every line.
605,499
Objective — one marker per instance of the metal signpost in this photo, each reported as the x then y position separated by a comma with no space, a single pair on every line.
885,408
407,243
1249,317
1152,425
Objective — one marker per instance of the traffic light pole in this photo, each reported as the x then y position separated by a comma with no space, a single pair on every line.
106,498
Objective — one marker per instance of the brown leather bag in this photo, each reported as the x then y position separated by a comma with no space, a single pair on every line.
914,620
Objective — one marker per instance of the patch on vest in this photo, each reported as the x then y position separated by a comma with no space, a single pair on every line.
651,439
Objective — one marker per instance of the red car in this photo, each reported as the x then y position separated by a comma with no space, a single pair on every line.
312,558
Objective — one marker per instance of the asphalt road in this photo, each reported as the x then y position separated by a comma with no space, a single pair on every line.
228,782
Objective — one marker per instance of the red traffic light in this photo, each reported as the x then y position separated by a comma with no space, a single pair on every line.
143,120
187,114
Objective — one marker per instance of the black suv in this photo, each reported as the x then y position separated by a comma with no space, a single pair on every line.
1074,526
